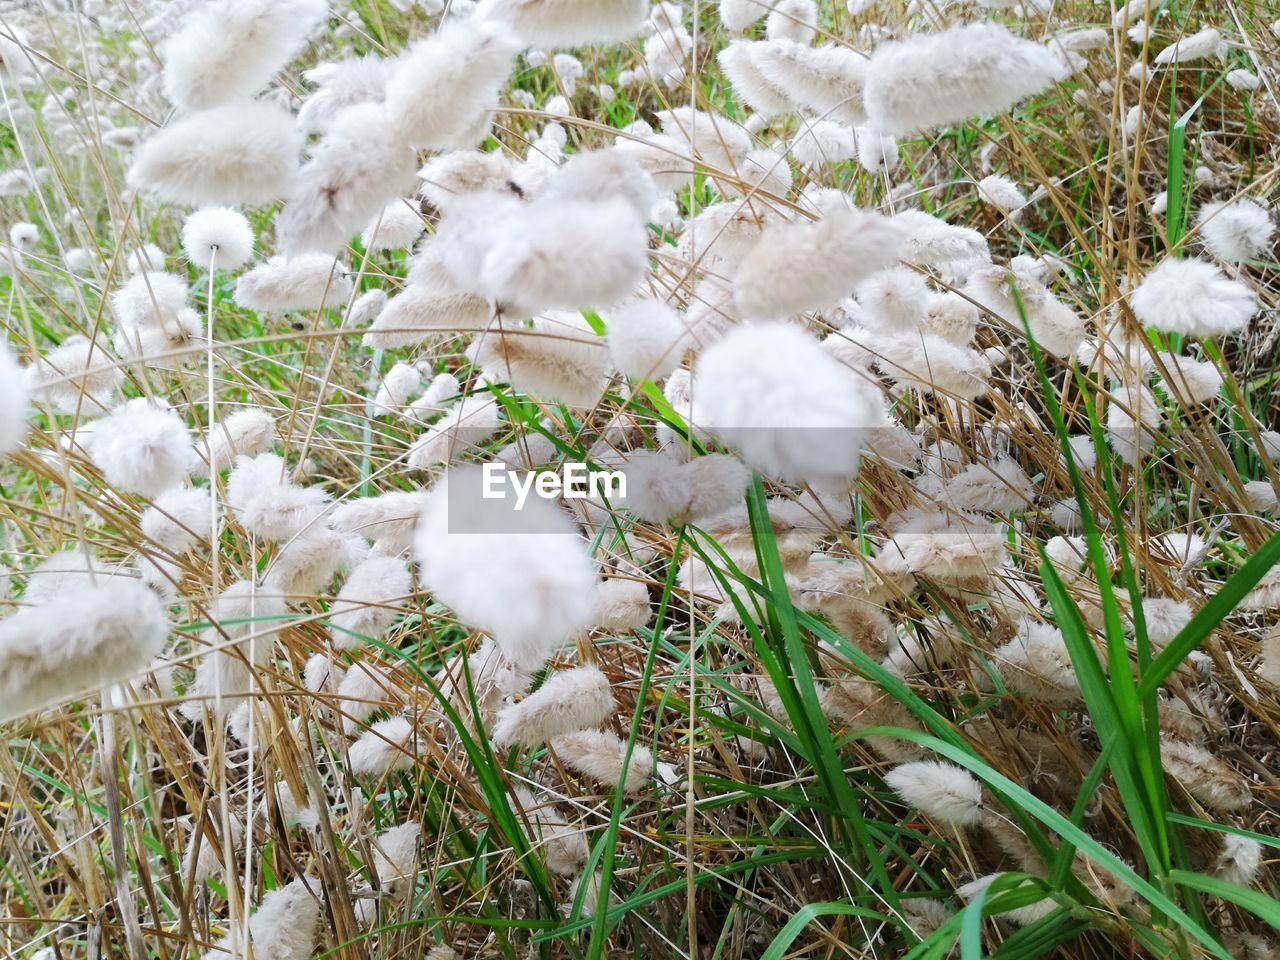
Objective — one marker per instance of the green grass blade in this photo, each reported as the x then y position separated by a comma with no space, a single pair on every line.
805,916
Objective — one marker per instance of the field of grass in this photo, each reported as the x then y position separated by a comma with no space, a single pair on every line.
1118,786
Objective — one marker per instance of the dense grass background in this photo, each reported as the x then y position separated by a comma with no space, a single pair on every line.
779,837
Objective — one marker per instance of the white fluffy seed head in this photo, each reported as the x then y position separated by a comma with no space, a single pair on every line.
1210,779
228,49
384,748
950,316
266,502
306,563
1236,231
790,408
465,426
1021,916
560,359
305,282
141,448
1180,548
828,80
1133,422
893,300
663,489
1238,860
567,23
217,237
395,856
177,518
718,140
794,20
877,152
81,641
144,258
1207,42
522,576
245,153
1001,193
15,404
1260,496
359,164
285,924
65,571
341,84
23,234
931,364
401,382
622,605
566,253
812,266
599,755
945,546
150,299
246,433
1192,297
930,241
821,142
397,227
997,486
1164,618
369,601
445,85
1036,664
561,845
422,309
1241,79
738,15
245,621
942,790
570,700
365,689
738,61
929,80
387,520
1191,381
647,339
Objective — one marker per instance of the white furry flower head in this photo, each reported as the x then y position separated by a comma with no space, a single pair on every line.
1192,297
177,518
98,634
570,700
141,448
228,49
523,576
266,502
396,227
77,375
283,927
247,432
813,266
15,403
581,244
567,23
793,410
305,282
217,238
647,339
1236,231
942,790
930,80
242,153
1206,43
